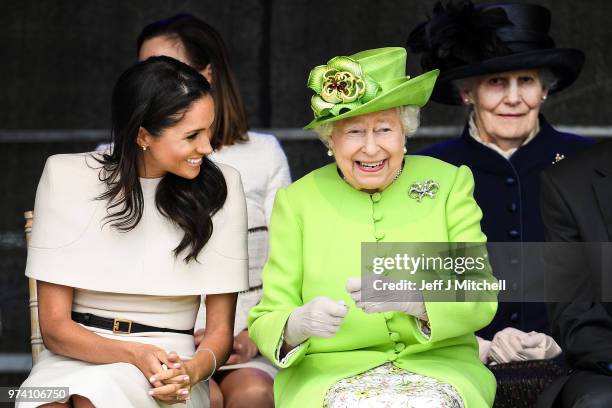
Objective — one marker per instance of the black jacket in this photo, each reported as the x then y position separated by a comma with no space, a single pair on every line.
576,200
508,193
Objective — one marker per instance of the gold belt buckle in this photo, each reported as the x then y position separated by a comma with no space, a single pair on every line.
116,329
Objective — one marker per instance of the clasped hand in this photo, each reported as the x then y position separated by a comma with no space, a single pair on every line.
166,372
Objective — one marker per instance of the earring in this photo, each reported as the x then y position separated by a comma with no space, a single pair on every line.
466,101
144,148
330,153
405,150
544,97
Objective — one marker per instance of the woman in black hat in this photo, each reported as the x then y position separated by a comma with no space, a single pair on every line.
499,60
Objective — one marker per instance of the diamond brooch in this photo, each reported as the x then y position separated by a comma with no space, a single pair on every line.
419,190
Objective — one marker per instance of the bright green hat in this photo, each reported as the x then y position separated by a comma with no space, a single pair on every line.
366,82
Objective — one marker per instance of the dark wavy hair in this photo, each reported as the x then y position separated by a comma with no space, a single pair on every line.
155,94
203,45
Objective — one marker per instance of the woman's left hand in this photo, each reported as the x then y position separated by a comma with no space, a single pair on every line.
410,302
173,385
244,349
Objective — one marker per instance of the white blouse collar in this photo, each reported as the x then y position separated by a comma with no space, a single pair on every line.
507,154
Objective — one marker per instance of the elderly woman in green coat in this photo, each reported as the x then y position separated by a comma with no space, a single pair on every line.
336,350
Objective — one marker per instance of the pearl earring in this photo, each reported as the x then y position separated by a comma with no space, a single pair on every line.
466,101
405,150
544,97
144,148
330,153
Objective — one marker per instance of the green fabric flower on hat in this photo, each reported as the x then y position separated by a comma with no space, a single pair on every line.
340,85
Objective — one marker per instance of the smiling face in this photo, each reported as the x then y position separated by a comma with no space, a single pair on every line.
369,149
180,148
506,106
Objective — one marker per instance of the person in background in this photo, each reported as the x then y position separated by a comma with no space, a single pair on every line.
246,379
124,244
336,348
499,61
576,200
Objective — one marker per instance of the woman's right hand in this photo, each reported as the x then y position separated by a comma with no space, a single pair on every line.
320,317
175,382
149,359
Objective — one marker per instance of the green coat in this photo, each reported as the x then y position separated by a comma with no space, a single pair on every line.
318,224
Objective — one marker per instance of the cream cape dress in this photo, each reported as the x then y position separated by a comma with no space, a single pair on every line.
132,275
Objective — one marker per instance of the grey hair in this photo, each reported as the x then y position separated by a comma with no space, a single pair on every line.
409,118
548,79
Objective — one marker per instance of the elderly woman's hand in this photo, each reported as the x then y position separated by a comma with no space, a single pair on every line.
512,344
410,302
320,317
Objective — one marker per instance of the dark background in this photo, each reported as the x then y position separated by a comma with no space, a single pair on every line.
60,59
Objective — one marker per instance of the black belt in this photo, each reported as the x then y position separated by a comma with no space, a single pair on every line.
257,229
120,326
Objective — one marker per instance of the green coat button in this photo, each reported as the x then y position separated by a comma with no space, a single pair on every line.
377,216
379,235
388,315
400,347
376,197
394,336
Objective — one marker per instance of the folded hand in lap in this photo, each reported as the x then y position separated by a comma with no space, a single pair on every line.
511,344
172,384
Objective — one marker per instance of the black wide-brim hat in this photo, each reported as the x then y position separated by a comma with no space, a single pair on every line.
464,40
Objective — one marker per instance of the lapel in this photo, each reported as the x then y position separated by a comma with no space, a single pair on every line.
602,186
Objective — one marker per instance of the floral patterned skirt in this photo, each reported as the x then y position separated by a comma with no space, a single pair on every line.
388,386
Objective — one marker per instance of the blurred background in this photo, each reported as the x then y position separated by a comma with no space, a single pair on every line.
61,58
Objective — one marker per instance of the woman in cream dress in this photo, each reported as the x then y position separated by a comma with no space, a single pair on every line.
124,244
246,379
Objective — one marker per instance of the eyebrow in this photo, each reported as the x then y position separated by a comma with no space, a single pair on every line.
194,131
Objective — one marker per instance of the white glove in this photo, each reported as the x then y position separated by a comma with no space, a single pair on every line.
320,317
483,349
410,302
512,344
